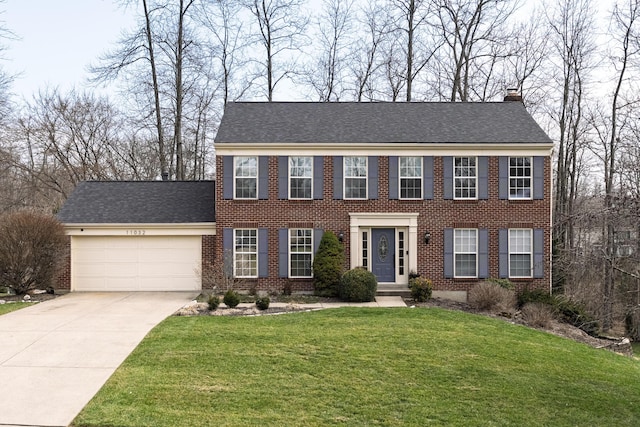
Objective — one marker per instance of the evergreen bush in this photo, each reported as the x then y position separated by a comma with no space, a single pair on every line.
421,288
328,265
358,285
231,298
213,301
263,303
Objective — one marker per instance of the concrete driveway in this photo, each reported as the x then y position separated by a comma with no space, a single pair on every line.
55,355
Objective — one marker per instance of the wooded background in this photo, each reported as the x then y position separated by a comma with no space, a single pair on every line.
575,62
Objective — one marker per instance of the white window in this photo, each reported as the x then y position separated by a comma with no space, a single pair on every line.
245,177
520,252
465,252
465,178
300,177
245,253
355,177
520,177
300,252
410,177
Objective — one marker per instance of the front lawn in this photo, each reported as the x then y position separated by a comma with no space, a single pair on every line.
358,366
9,307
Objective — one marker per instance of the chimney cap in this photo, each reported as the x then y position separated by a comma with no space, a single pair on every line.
513,95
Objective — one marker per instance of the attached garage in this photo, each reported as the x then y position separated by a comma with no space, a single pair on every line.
136,263
139,236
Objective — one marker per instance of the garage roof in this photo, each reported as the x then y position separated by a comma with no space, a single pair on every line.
379,122
140,202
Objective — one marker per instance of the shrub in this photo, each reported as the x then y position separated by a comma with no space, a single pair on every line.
32,249
263,303
358,285
536,295
213,301
537,314
575,314
503,283
421,289
328,265
491,297
231,298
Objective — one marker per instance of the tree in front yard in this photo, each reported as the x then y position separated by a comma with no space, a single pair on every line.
32,248
327,266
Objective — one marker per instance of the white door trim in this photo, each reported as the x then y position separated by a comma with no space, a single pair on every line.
409,221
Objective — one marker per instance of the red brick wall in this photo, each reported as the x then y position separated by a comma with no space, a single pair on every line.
63,281
434,216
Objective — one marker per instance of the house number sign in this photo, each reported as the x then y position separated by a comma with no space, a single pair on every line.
136,232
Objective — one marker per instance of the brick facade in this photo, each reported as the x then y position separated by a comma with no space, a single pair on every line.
434,216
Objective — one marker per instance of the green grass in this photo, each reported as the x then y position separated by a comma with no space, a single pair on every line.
8,308
358,366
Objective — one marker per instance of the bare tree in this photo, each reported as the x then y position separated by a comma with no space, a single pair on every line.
326,72
475,35
572,30
626,20
280,33
375,26
417,48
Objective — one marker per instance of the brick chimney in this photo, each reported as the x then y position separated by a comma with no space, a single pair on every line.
513,95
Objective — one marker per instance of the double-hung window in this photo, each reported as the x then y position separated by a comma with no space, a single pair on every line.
245,253
465,252
410,177
355,177
520,176
465,178
245,176
520,252
300,177
300,252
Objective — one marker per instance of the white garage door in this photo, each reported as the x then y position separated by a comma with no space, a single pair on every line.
135,263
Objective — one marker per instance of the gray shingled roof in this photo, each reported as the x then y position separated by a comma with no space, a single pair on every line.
378,122
152,202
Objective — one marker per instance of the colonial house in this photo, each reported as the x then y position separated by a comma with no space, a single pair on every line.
457,192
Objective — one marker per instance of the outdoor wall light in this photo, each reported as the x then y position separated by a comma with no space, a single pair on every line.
341,236
427,237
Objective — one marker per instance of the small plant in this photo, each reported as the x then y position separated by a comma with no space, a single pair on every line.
413,275
537,314
358,285
263,303
487,296
213,301
231,298
421,289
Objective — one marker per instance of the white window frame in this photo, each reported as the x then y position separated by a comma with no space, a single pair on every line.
346,177
473,177
417,177
310,177
526,251
458,251
236,160
516,177
309,252
237,254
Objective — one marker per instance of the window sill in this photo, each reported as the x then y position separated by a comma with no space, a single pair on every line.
521,201
521,279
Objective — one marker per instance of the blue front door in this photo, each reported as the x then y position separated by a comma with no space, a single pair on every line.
383,258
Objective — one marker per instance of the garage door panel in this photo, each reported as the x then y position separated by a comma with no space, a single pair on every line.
136,263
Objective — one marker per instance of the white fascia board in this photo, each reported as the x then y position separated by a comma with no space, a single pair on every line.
141,229
384,149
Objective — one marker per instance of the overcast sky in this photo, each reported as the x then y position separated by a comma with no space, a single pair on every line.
57,39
